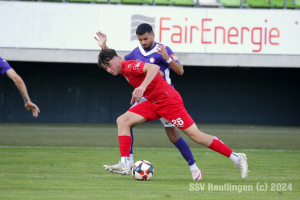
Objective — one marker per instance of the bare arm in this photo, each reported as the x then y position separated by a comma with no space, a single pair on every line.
19,83
22,88
101,40
151,71
177,67
161,73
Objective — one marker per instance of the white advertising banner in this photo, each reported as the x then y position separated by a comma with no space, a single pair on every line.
185,30
48,25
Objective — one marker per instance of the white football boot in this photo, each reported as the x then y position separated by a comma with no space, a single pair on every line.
107,167
197,174
119,168
242,165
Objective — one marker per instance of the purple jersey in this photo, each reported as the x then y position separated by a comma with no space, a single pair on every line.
153,58
4,66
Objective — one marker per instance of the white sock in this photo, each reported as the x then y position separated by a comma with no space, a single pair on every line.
131,159
234,157
125,160
194,167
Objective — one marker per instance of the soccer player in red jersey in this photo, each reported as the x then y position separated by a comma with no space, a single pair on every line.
162,101
152,52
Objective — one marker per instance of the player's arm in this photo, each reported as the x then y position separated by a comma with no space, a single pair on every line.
176,66
101,40
161,73
151,71
22,88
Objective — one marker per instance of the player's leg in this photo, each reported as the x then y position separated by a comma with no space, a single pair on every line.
174,111
217,145
173,134
131,160
182,146
135,115
124,123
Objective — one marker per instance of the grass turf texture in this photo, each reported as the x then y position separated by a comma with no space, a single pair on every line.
145,135
77,173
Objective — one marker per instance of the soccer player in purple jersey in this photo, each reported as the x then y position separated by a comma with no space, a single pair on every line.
6,70
152,52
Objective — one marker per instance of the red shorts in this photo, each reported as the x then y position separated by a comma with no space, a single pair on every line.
172,110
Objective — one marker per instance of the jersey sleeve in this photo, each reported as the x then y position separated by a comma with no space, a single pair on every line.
137,67
171,54
134,67
129,56
4,66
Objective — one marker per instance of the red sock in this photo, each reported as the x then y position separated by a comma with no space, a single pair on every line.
124,145
218,146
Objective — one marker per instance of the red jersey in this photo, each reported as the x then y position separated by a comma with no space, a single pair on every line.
157,91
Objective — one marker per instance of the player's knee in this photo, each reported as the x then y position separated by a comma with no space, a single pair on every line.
173,138
121,120
118,120
124,120
173,134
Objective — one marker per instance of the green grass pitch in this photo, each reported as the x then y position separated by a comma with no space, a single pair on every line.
64,161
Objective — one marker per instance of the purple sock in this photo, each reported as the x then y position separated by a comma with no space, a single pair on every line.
185,151
132,140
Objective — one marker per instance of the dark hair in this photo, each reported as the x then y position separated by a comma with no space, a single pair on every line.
144,28
105,56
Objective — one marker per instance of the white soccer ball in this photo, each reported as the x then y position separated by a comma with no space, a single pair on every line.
142,170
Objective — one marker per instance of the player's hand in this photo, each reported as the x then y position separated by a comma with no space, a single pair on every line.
163,51
161,73
137,94
35,110
101,39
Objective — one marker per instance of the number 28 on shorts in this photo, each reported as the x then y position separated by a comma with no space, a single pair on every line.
178,122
